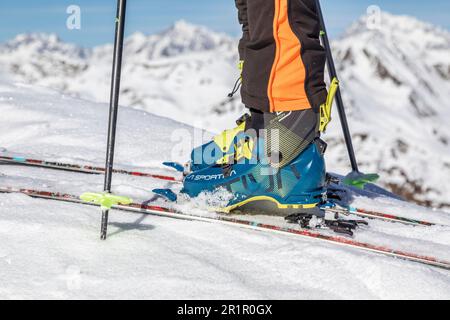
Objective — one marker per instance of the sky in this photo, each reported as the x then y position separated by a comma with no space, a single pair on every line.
150,16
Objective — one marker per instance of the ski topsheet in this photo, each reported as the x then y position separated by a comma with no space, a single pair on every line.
248,224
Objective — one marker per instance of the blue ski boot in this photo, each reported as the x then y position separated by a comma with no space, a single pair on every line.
279,171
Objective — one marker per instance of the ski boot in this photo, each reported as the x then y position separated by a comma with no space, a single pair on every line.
309,221
261,179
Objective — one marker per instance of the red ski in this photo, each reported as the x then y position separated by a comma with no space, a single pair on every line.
80,168
229,220
100,170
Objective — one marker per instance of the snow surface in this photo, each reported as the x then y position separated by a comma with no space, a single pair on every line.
51,250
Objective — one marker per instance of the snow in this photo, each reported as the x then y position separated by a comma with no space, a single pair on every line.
51,250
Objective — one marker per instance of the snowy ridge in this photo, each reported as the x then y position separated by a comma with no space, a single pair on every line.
184,37
34,57
395,81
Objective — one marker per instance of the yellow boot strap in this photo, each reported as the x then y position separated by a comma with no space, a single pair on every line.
325,109
226,159
243,150
225,139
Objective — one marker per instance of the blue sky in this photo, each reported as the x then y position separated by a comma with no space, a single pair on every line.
151,16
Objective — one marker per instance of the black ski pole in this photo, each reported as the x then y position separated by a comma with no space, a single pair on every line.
114,105
354,178
339,101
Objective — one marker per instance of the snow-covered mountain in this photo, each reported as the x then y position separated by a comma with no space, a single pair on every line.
184,72
43,57
395,80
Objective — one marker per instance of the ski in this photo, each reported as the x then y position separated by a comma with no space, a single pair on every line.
89,169
379,216
162,211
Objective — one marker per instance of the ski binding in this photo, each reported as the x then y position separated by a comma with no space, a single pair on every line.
311,221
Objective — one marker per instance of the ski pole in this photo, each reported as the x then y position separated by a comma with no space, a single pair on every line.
340,104
354,178
114,106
